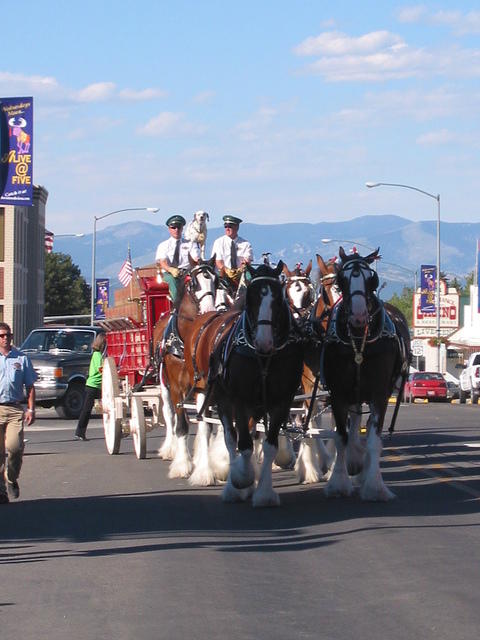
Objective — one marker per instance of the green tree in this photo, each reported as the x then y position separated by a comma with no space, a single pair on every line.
66,292
404,302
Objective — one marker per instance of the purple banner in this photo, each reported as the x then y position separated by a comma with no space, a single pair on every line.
102,289
428,283
16,151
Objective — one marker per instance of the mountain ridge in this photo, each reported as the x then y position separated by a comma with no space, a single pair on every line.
404,244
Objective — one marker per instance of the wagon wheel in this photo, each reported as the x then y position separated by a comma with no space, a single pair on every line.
112,422
137,428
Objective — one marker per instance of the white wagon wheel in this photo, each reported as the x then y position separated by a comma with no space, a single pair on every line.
112,423
137,427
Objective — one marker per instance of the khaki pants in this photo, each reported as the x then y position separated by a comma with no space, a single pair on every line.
11,438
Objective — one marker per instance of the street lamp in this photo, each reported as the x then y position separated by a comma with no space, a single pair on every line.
370,185
68,235
94,245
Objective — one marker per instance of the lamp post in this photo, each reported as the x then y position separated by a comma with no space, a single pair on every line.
370,185
94,246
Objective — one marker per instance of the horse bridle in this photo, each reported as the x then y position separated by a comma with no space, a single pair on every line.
310,291
246,319
357,268
201,268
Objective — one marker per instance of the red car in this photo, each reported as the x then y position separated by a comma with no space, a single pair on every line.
425,384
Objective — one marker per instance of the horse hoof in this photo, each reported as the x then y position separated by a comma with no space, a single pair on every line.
376,494
271,499
230,494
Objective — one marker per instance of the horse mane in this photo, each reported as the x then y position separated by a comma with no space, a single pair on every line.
180,293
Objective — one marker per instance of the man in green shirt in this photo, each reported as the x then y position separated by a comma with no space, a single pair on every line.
93,385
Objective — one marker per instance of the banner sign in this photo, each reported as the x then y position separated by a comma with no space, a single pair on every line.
16,151
425,324
102,291
428,283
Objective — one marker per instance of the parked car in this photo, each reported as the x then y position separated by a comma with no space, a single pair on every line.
425,384
453,390
61,359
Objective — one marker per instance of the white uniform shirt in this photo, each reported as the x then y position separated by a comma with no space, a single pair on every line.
166,249
222,250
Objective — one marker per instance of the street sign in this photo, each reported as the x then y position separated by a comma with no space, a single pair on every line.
417,348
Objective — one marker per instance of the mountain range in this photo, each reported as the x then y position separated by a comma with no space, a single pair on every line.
404,245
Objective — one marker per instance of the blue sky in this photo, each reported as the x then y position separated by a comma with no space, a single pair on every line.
275,111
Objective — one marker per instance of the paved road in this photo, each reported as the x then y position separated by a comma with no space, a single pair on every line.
107,547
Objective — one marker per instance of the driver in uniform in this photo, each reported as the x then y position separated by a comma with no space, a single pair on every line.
232,253
172,256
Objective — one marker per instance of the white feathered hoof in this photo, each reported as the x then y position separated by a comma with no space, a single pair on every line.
339,485
285,458
269,498
307,466
202,477
242,473
167,450
376,492
180,469
230,494
181,466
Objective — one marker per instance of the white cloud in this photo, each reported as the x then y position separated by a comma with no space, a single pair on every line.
337,43
460,23
17,83
203,97
47,88
443,136
96,92
381,56
169,123
142,94
411,14
252,128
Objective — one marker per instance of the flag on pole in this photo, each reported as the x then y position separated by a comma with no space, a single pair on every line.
48,241
126,272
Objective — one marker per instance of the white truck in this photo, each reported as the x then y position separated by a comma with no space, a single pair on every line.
470,379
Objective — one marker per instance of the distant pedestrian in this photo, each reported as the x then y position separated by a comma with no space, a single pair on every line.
93,386
16,374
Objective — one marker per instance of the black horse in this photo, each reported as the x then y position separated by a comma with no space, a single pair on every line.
366,356
257,378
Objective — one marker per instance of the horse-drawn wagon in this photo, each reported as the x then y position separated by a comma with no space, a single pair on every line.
131,399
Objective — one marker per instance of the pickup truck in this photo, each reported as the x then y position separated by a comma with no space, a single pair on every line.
61,358
470,379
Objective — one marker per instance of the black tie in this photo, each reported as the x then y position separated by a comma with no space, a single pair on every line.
176,255
233,255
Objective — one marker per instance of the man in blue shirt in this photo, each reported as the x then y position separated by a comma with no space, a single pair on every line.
16,373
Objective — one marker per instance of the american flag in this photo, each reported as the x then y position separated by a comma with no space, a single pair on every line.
48,241
126,272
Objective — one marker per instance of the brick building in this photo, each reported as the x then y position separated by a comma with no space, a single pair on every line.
22,264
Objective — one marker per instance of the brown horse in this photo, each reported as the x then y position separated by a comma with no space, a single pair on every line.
196,297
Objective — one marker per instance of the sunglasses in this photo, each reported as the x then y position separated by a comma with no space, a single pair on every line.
175,226
6,335
229,226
